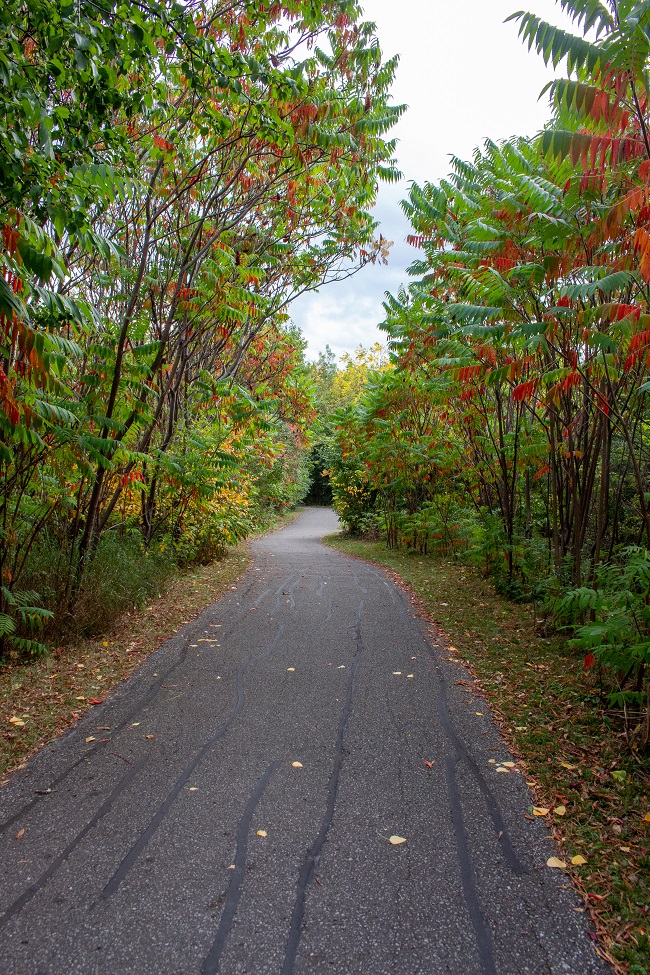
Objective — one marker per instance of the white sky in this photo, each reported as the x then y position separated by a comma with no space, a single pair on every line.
465,76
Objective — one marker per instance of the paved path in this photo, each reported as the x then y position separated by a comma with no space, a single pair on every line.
142,852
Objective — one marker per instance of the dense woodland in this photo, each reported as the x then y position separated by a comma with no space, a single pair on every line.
514,426
175,174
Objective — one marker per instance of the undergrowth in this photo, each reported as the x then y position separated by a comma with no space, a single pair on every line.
555,717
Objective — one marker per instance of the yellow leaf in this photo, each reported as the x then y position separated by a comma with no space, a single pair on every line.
646,818
297,764
150,736
20,834
290,670
492,761
560,810
509,764
578,860
502,769
261,832
17,721
554,862
571,768
480,714
341,667
625,849
105,643
397,673
135,724
90,738
540,811
80,697
193,788
396,840
409,675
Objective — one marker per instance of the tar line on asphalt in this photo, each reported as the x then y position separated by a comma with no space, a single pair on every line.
319,657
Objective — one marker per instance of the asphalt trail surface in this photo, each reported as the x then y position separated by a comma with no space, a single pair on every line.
142,852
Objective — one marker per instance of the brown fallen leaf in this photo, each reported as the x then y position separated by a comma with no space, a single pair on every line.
555,862
20,833
396,840
150,736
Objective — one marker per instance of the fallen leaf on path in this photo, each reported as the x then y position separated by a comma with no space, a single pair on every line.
428,764
290,670
409,675
193,788
150,736
135,724
341,667
509,764
578,860
261,832
297,764
396,840
480,714
560,810
502,769
555,862
397,673
20,834
492,761
540,811
90,738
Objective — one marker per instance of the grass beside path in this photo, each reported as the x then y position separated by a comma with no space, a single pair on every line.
52,693
589,786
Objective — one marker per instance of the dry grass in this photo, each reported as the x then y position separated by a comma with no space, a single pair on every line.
52,693
572,748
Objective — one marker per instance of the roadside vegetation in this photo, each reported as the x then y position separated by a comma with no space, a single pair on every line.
172,176
588,784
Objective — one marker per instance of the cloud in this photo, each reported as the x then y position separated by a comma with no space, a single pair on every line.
465,76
